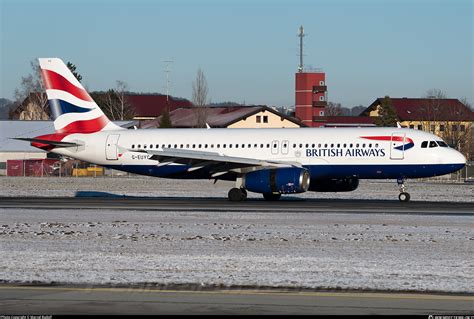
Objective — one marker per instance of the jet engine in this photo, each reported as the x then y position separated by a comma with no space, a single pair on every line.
279,180
334,185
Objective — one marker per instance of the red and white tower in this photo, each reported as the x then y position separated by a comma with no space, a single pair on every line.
310,92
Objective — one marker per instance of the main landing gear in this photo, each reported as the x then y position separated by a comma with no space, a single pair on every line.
403,196
237,194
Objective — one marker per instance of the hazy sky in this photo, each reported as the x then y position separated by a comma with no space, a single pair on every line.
248,50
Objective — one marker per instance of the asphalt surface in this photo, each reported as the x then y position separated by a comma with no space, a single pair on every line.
252,205
20,300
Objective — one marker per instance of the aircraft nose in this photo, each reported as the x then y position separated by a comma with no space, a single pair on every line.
459,158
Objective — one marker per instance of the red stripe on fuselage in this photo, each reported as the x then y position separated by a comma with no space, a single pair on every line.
388,138
55,81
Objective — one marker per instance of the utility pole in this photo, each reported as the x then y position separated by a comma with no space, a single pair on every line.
301,35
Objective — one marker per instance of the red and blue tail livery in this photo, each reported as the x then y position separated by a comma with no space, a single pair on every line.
72,108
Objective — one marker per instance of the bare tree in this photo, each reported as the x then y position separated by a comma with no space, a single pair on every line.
115,103
333,109
32,88
120,90
200,91
454,126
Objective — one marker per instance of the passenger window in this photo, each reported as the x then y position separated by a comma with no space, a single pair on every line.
345,145
212,145
319,145
139,146
230,145
363,145
169,145
144,147
175,146
218,145
376,145
133,145
338,145
357,145
194,145
301,145
181,146
261,145
370,145
256,145
151,145
325,145
157,145
332,145
312,145
433,144
223,145
424,144
205,145
351,145
294,145
250,145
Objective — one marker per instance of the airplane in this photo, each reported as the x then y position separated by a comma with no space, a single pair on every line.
271,162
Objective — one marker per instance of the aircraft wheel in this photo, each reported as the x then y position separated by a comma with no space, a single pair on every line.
237,194
271,196
404,197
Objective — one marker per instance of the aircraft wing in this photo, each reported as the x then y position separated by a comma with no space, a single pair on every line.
219,164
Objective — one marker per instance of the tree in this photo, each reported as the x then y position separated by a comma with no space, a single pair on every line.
32,87
165,121
200,91
437,111
114,103
333,109
72,68
387,115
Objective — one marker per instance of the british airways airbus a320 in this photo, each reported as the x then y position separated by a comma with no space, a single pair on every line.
267,161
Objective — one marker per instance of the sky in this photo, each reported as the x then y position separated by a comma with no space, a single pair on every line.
247,49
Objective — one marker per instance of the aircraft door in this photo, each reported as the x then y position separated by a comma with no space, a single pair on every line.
111,147
285,146
397,150
275,147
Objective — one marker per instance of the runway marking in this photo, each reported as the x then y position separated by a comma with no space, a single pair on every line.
255,292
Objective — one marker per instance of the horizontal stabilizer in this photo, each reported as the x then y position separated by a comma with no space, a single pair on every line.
47,142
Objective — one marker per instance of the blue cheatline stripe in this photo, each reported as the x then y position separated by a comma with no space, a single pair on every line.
316,171
405,147
59,107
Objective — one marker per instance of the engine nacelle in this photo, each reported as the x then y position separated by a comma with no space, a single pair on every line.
334,185
279,180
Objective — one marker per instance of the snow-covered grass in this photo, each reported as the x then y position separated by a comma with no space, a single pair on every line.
334,250
159,187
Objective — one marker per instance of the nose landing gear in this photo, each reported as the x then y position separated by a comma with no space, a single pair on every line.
403,196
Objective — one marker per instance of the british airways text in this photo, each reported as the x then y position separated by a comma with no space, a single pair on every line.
357,152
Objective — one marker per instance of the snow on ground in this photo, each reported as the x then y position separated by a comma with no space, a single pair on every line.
160,187
314,250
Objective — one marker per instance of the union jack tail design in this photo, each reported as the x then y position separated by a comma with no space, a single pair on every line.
73,110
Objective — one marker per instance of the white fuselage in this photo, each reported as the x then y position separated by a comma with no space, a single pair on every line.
326,152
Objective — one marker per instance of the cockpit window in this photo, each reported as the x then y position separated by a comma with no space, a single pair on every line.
442,144
433,144
424,144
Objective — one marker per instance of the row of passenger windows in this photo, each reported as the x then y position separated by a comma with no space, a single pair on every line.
431,144
284,145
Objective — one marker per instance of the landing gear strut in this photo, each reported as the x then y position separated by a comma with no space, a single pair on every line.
403,196
237,194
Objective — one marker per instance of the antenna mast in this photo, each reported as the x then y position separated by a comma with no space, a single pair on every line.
301,36
167,71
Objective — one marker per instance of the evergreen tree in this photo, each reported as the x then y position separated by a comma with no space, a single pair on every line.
72,68
165,121
387,115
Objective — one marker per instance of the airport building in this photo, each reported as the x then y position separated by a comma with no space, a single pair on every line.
227,117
